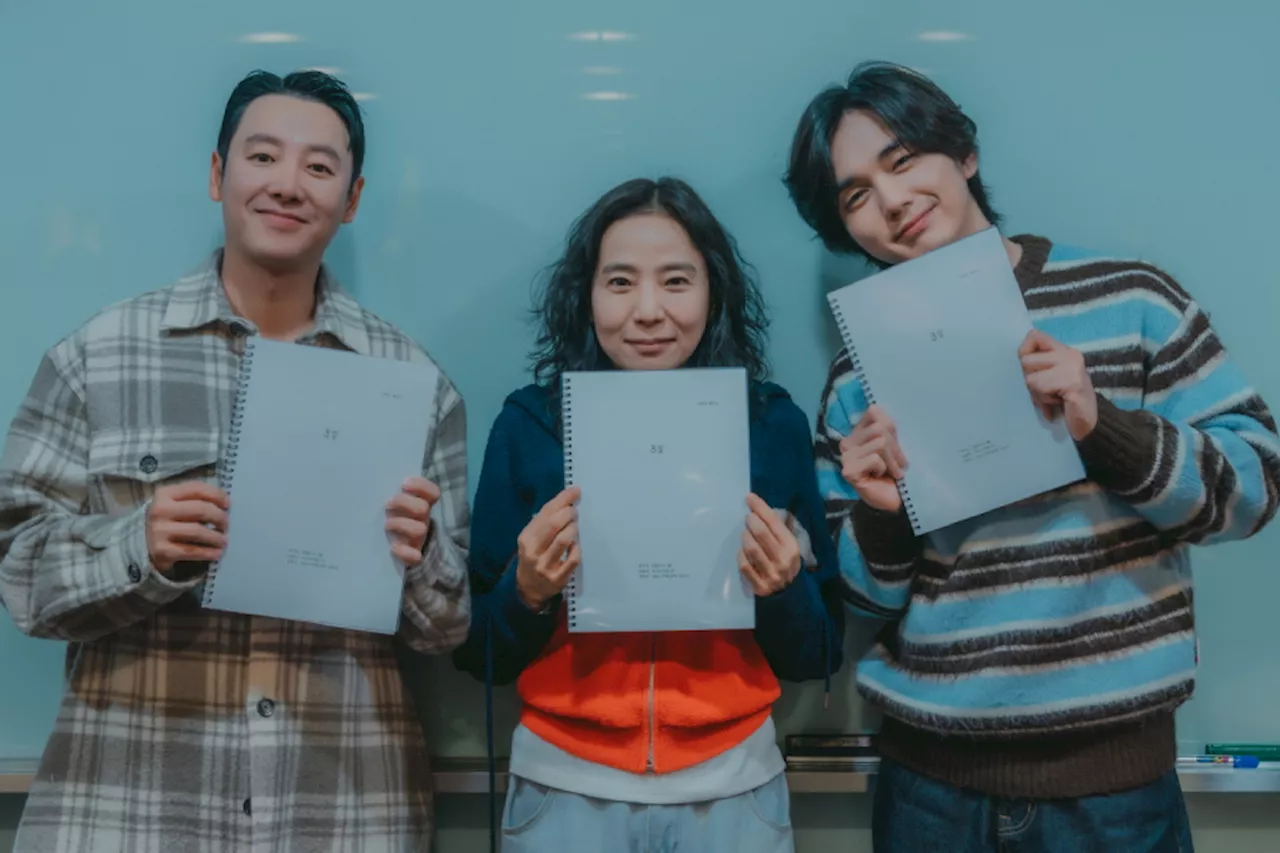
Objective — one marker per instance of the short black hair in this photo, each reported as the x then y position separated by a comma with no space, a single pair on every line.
736,319
309,85
913,108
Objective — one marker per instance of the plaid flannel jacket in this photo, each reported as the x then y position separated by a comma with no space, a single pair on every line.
184,729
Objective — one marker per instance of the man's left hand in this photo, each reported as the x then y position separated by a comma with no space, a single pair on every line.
409,519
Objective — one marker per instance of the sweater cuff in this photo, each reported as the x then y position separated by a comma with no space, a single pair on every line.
1120,453
884,538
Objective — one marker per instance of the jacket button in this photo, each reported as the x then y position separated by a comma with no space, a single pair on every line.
248,806
266,707
135,573
148,464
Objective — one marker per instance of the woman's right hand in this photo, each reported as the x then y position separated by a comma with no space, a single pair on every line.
872,462
548,550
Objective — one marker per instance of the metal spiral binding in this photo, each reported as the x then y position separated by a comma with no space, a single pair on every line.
227,470
860,373
566,415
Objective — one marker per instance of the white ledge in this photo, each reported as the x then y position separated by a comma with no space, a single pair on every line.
471,776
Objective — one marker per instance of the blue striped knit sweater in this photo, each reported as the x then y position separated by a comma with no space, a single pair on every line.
1040,650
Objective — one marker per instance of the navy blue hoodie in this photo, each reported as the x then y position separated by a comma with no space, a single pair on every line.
799,630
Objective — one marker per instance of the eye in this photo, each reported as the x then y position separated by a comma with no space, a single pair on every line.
903,161
260,157
321,168
855,198
678,281
618,282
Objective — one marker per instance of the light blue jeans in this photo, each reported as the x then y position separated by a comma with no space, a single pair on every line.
537,819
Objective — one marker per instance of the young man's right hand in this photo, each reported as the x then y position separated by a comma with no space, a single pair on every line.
186,522
548,550
872,462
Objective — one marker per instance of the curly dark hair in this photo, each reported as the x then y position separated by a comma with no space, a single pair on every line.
737,323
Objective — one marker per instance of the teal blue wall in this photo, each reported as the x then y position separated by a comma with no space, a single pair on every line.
1140,128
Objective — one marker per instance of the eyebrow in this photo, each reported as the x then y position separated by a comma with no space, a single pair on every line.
267,138
675,267
893,146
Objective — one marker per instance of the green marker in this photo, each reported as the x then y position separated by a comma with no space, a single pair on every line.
1260,751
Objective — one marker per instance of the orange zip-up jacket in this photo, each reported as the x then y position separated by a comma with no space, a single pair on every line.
648,702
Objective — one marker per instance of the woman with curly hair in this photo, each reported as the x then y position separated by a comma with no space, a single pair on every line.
664,740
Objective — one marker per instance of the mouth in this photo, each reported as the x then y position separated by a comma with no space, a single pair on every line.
280,218
650,346
915,226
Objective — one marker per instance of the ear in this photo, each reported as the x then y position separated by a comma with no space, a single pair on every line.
215,178
969,166
353,200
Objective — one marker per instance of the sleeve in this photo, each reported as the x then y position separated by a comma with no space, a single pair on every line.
503,629
437,606
64,573
877,553
1199,457
800,629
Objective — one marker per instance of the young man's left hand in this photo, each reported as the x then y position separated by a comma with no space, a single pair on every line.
1059,383
409,519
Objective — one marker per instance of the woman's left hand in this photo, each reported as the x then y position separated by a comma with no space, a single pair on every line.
770,554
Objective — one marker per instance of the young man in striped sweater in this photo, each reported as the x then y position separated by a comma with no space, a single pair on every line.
1034,656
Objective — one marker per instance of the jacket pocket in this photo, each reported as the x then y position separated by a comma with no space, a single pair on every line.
127,466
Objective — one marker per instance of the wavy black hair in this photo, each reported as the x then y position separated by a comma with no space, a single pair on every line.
737,323
921,116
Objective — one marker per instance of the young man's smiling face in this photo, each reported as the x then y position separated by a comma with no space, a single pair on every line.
898,204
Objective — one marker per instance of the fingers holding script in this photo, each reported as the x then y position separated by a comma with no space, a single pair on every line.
872,461
186,522
770,555
1059,382
547,550
409,519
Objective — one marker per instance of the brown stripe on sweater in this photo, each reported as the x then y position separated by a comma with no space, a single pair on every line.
826,446
1061,278
1214,468
1164,444
1118,356
1120,278
1182,359
1024,725
1014,567
1052,648
1254,407
1117,368
1124,379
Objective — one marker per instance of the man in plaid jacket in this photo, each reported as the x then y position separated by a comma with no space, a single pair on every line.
191,729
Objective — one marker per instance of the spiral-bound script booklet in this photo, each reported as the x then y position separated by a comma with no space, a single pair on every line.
664,463
320,441
934,342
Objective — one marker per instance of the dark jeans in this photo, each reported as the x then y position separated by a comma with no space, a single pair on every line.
915,814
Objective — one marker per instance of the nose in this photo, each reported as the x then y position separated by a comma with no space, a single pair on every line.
895,199
283,185
648,303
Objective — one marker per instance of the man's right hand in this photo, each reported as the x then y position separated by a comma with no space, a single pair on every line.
548,550
186,522
872,462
